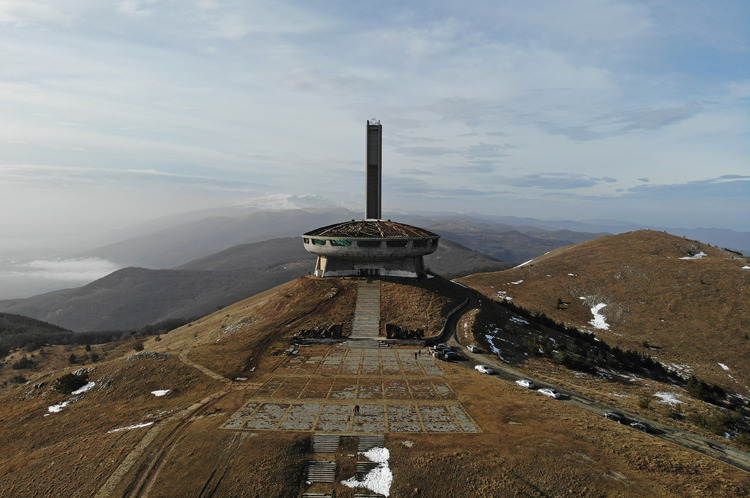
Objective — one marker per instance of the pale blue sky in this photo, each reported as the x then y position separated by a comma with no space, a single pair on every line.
116,112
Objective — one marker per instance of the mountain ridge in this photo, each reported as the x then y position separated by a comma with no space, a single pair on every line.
653,290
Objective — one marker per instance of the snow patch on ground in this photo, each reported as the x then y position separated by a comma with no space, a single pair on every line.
683,369
161,392
723,366
504,295
136,426
234,326
524,264
746,267
490,340
700,255
379,479
598,322
58,407
515,319
668,398
85,388
516,283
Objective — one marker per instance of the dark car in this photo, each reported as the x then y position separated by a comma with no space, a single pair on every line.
616,416
641,426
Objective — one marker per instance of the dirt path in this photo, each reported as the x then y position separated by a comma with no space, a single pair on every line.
141,484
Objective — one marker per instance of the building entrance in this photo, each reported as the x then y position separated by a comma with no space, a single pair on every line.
369,272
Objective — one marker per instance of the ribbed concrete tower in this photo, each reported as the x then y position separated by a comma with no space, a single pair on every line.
374,168
371,247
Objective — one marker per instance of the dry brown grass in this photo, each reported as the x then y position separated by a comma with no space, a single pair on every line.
696,312
413,304
70,453
530,445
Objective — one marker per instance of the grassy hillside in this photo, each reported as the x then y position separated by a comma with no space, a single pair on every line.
134,297
119,438
661,295
17,331
18,324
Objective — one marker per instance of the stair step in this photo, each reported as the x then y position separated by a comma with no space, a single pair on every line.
321,471
370,441
364,468
326,443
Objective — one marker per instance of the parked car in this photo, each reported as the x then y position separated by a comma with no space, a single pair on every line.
472,348
484,369
442,347
547,391
525,383
641,426
616,416
452,356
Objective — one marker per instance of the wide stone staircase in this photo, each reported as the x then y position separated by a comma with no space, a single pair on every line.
366,324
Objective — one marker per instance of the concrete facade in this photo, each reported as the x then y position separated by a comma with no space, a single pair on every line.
373,246
349,249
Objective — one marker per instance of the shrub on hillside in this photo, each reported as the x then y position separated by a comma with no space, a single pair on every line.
18,379
675,412
704,391
70,382
32,339
23,363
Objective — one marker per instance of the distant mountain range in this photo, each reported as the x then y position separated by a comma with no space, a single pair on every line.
172,241
133,297
188,265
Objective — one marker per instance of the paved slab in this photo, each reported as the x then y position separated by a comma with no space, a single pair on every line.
318,389
344,419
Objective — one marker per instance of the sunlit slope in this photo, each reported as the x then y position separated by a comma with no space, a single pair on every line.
683,302
153,422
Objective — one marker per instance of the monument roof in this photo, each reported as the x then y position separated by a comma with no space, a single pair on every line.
381,229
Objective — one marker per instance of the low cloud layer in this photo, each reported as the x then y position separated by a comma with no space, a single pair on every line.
28,278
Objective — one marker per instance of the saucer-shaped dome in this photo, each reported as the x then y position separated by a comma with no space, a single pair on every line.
380,239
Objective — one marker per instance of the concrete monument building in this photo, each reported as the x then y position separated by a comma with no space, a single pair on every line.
372,246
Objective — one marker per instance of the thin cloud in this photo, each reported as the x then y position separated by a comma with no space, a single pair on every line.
562,181
72,270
